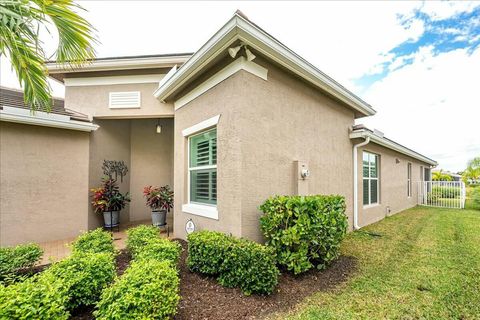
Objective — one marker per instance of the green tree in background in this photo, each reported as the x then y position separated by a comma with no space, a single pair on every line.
20,23
440,176
472,172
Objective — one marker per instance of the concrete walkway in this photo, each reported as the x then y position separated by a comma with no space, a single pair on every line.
57,250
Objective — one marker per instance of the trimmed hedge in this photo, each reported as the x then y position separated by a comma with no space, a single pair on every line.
38,297
446,192
147,290
139,236
236,262
84,277
304,231
207,250
160,249
14,259
95,241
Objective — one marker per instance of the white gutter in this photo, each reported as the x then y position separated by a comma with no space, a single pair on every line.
355,182
39,118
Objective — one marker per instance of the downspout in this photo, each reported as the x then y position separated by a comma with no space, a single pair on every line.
355,182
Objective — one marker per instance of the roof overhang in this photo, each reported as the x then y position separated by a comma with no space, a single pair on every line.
240,29
121,63
387,143
40,118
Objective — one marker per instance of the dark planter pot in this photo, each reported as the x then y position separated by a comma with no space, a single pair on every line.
159,217
111,218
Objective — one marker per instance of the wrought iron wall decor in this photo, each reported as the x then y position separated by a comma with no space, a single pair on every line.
113,167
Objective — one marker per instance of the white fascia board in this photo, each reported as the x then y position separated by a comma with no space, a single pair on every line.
120,64
206,124
112,80
240,63
240,29
391,145
39,118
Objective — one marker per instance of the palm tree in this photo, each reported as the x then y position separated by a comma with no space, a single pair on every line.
20,22
440,176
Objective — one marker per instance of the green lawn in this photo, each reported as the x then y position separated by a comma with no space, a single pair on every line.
426,265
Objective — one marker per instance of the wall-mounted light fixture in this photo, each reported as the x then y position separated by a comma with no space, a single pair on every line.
158,128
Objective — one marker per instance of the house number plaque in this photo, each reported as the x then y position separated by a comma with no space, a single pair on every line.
189,226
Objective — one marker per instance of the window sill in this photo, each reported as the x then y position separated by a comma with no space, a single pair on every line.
371,206
201,210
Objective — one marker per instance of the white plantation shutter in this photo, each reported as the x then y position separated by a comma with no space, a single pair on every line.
203,167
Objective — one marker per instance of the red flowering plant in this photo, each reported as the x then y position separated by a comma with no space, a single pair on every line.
108,197
159,198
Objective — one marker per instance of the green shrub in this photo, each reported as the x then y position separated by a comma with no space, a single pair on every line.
250,267
14,259
446,192
95,241
304,231
160,249
207,250
38,297
476,196
84,276
147,290
237,262
139,236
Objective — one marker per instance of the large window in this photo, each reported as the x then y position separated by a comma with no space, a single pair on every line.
409,180
370,178
203,167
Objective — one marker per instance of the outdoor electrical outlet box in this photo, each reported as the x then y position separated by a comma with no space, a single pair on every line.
301,174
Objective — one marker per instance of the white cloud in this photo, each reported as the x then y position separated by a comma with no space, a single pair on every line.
432,106
439,10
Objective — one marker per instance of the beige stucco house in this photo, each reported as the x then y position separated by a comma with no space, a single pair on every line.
242,119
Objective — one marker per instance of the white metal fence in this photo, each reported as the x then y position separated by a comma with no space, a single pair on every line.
444,194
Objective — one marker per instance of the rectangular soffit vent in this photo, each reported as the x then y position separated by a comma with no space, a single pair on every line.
124,100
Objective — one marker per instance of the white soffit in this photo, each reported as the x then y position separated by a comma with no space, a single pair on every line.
241,29
387,143
40,118
239,64
206,124
112,80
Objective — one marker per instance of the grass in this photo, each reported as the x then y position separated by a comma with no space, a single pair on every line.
425,265
469,204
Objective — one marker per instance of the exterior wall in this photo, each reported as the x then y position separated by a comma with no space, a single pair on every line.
226,100
44,183
393,184
265,126
111,141
93,100
151,161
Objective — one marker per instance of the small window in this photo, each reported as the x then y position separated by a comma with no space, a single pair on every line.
409,180
370,178
203,167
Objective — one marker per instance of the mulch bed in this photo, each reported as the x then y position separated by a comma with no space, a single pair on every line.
204,298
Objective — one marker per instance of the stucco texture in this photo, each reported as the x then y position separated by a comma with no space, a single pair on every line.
44,183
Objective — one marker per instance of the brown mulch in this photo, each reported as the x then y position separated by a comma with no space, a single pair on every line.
203,298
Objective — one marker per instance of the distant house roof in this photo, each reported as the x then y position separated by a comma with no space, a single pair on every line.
14,109
360,131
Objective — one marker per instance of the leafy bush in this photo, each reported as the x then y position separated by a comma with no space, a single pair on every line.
139,236
237,262
38,297
84,276
207,250
147,290
446,192
249,266
160,249
96,241
304,231
476,196
14,259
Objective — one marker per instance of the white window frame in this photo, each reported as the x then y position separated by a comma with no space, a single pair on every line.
370,204
409,180
200,209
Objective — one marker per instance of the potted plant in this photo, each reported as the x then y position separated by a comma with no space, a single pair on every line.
108,200
160,201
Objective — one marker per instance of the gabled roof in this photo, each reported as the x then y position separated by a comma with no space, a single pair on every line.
360,131
239,28
14,109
